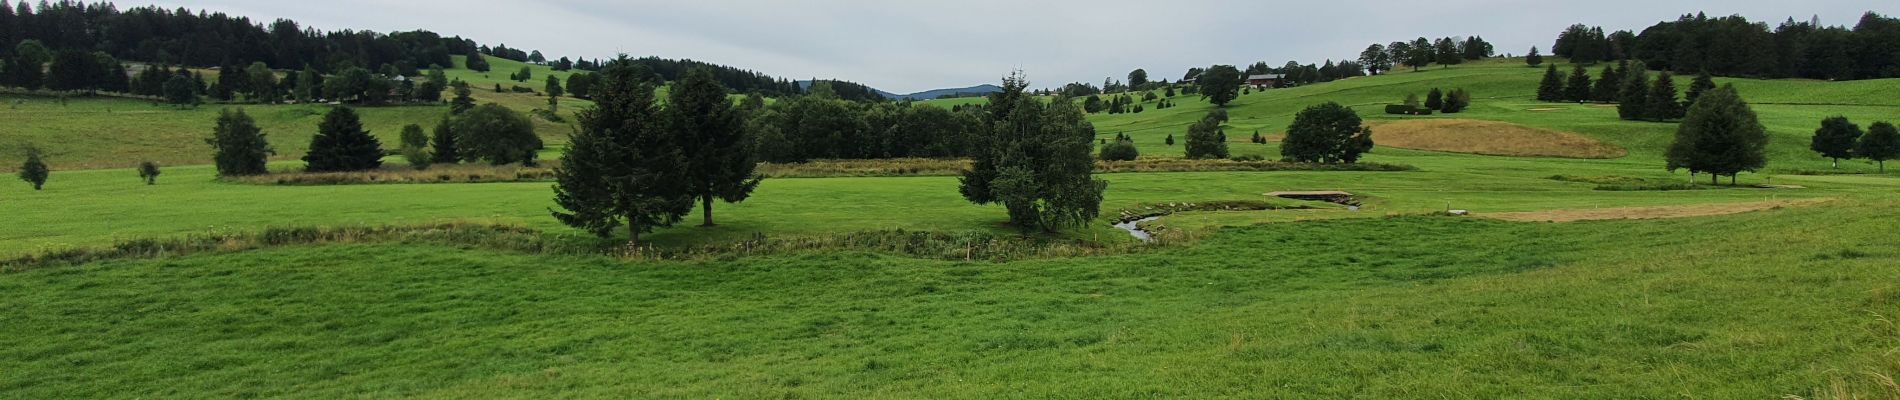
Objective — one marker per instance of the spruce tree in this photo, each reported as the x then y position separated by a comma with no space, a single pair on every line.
240,148
1578,90
1551,88
1836,139
443,149
1703,83
620,168
1661,104
34,170
1534,59
1170,140
1881,143
1630,101
1435,100
1609,84
719,159
341,144
1720,136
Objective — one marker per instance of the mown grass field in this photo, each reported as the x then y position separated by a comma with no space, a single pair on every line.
1389,301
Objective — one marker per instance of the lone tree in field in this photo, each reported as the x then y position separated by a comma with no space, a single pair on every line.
719,160
620,168
496,134
415,147
554,93
341,144
1326,133
1220,84
1205,140
1661,104
1836,139
1578,89
1034,159
1881,143
240,147
34,170
148,171
1721,136
442,143
1552,88
1534,59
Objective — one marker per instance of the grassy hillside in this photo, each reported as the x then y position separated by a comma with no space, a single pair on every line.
1733,293
1376,308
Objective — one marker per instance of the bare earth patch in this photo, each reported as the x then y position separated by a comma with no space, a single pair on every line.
1489,138
1659,212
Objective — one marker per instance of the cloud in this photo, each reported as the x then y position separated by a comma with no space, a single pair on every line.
905,46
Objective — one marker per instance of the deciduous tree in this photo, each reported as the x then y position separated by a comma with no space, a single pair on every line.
1881,143
240,147
1220,84
1836,139
1326,133
1720,136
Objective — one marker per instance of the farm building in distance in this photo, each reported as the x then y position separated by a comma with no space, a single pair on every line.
1265,81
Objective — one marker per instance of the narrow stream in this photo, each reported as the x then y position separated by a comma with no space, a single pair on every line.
1134,228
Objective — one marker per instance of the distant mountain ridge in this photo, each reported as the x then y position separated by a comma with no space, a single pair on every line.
977,90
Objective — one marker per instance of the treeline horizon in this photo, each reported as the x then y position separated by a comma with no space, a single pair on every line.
1733,46
207,39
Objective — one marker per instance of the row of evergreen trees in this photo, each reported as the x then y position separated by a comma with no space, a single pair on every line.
490,133
1628,85
1735,46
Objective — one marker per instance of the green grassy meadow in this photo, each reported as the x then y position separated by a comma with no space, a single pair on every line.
1388,301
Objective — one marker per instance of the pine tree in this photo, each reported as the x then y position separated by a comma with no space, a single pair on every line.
1661,104
1720,136
1836,139
1631,100
443,149
34,170
1578,90
1534,59
1552,88
620,168
462,102
240,146
1609,84
341,144
719,160
1170,140
1703,83
1435,100
1881,143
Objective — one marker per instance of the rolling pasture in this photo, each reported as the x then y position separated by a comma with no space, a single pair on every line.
1392,300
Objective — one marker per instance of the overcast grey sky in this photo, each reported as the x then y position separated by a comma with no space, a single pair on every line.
906,46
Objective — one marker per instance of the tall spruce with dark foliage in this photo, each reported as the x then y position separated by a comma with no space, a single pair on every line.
341,144
719,160
620,167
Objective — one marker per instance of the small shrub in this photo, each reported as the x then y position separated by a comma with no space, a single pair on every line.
148,171
1120,150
